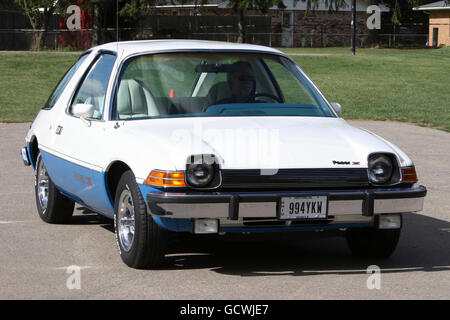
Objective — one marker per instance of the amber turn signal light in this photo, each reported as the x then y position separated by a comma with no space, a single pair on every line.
166,178
409,174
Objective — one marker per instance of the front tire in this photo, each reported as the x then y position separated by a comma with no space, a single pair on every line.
52,206
372,242
141,242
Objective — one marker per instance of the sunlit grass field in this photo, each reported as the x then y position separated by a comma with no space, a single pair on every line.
378,84
384,84
26,81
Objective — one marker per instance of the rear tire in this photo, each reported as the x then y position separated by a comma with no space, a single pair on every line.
372,243
52,206
141,241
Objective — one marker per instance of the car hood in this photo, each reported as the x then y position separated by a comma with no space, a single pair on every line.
262,142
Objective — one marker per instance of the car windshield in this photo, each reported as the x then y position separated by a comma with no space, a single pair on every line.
199,84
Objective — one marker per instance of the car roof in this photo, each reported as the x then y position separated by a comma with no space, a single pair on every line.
143,46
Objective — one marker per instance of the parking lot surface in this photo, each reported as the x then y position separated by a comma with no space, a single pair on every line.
35,257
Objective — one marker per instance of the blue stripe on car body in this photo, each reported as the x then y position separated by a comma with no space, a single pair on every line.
30,151
90,191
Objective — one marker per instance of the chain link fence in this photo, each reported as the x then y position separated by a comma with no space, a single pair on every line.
65,40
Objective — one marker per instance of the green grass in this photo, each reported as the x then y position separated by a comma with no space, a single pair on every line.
384,84
379,84
26,81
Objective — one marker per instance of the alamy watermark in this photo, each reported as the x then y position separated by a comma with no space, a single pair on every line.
74,280
74,20
374,280
241,147
374,21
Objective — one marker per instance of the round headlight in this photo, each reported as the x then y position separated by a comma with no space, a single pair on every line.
199,175
380,169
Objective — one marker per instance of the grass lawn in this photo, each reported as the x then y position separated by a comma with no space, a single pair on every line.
384,84
27,80
378,84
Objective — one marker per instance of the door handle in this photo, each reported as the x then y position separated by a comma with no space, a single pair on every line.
58,130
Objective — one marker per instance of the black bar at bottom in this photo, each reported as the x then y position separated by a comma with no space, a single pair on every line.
233,208
368,204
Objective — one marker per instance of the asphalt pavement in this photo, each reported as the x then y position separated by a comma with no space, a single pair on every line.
43,261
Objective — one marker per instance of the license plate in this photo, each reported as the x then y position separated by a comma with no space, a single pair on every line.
303,207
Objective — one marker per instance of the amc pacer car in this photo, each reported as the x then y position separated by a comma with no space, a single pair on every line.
211,137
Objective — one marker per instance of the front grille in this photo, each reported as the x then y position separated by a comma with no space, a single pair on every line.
295,178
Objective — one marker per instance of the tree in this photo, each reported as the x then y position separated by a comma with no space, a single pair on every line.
8,5
241,6
400,12
98,9
131,11
39,13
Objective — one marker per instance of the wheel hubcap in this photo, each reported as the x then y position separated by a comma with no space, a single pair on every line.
126,220
42,184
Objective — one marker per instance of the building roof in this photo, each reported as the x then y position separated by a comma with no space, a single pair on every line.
439,5
322,5
361,5
173,4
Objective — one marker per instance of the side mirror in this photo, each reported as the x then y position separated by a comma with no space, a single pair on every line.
337,108
84,111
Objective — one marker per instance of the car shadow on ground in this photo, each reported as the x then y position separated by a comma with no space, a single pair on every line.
84,216
424,245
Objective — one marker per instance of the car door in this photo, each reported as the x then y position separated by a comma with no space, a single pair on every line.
80,142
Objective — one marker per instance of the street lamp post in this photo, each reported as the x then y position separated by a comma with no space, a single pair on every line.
353,25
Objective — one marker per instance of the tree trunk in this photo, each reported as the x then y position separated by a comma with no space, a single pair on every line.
37,40
34,24
45,22
96,25
241,26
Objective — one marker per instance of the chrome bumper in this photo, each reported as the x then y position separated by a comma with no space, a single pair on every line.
24,153
232,206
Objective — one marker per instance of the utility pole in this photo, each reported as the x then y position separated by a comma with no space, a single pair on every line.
353,25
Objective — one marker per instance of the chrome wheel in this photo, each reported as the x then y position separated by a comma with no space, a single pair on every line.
126,220
42,183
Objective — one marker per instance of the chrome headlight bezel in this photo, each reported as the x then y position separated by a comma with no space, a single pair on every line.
207,163
387,161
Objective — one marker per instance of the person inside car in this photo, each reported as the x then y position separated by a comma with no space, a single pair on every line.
241,82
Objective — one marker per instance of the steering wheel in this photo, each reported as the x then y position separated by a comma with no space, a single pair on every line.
268,95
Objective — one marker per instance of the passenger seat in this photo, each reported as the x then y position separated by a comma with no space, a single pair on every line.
219,91
135,101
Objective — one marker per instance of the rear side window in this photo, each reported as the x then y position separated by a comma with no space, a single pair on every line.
63,83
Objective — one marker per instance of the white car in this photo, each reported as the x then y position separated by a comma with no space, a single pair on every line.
211,137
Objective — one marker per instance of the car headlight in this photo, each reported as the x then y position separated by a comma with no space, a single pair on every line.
381,168
199,175
202,171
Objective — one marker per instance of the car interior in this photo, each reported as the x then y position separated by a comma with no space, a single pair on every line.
136,100
147,91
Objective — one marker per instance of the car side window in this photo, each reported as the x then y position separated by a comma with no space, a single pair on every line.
93,88
63,83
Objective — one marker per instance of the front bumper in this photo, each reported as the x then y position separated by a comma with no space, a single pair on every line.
361,204
25,158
